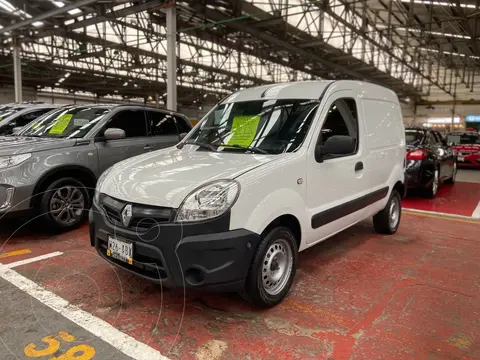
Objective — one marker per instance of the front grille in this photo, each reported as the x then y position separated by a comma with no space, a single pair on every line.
144,217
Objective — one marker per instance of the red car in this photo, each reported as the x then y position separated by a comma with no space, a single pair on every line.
467,148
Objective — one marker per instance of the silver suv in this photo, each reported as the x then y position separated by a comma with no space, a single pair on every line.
51,165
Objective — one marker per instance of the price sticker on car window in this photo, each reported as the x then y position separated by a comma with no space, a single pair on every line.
79,122
244,129
61,124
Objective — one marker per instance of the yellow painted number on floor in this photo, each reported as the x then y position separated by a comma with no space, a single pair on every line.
79,352
53,346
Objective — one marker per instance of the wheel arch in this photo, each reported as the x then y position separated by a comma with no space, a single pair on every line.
80,173
290,222
401,188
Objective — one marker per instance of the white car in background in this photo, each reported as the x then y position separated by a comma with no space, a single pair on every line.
268,172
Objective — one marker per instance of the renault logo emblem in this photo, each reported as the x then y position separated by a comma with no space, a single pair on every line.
127,214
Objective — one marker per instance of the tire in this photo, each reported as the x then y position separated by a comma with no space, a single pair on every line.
383,221
454,175
281,243
432,189
65,198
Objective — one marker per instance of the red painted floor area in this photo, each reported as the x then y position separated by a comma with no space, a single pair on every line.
459,199
359,295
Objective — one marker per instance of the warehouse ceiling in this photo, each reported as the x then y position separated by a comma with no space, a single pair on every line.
424,50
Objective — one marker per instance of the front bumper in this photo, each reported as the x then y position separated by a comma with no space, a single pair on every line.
205,255
14,200
468,161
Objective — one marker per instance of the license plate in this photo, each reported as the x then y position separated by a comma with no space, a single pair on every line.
461,158
120,250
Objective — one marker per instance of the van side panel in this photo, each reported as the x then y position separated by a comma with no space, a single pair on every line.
384,124
385,142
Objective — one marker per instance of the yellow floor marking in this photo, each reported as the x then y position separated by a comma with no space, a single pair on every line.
16,252
443,217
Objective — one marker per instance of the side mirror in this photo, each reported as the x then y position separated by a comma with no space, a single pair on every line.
114,134
182,135
335,145
451,144
16,129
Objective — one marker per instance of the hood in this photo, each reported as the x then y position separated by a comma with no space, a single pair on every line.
10,145
166,177
467,147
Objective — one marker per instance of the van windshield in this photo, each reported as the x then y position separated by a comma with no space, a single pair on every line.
69,122
259,126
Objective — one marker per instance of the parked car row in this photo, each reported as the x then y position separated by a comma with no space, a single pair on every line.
50,166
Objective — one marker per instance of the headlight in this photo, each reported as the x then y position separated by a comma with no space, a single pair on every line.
209,201
100,180
9,161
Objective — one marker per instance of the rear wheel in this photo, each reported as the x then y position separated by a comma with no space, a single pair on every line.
454,175
387,221
273,269
432,190
65,203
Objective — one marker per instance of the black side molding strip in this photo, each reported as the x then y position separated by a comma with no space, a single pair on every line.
330,215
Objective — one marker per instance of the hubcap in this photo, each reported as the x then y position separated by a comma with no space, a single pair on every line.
277,266
67,204
394,213
435,182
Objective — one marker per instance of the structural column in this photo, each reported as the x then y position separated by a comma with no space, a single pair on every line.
172,57
17,70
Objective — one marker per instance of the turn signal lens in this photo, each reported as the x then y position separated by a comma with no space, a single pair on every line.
417,154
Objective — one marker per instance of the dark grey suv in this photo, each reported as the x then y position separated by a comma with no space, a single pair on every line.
52,164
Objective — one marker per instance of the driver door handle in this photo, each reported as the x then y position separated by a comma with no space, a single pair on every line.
147,147
359,166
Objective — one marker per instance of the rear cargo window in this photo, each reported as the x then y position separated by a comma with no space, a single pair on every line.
414,137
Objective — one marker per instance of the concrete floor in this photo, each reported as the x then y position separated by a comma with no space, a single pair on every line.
27,321
468,175
359,295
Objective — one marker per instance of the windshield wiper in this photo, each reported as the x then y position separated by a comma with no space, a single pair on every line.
200,144
253,149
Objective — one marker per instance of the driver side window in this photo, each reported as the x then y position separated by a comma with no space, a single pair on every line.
133,122
342,119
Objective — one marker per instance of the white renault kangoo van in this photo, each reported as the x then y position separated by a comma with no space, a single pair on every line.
268,172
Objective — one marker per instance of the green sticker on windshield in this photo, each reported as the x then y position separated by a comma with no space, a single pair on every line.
244,129
61,124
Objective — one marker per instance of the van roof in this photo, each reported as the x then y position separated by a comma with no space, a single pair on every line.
308,90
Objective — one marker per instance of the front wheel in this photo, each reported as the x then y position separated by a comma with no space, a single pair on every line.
387,221
454,175
64,204
273,269
431,191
